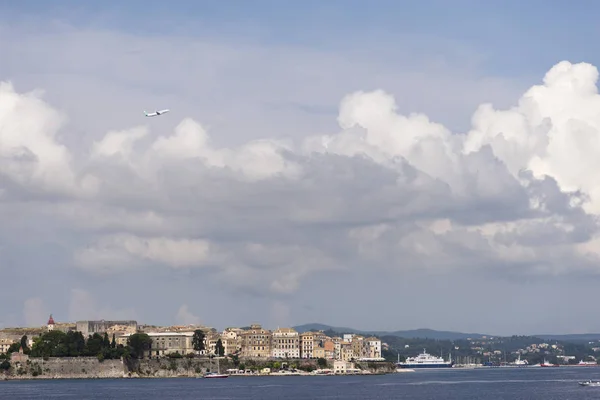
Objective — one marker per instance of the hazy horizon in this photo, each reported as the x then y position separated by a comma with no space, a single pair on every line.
376,166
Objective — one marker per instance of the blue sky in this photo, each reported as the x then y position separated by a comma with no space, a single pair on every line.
291,151
515,37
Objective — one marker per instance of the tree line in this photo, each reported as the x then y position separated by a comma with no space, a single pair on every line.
73,344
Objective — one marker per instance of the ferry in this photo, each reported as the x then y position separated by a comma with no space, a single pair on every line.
587,363
425,360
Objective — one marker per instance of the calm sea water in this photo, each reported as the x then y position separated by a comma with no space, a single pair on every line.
514,384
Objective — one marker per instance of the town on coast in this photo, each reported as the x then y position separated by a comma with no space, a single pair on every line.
128,349
117,349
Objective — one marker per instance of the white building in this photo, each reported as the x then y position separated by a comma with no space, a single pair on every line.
285,343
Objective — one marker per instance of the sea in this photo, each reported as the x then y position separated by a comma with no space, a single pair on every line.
451,384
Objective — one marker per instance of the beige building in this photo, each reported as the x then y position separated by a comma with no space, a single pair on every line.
318,352
342,367
210,342
307,344
346,351
256,342
372,349
5,345
285,343
90,327
358,346
232,340
164,343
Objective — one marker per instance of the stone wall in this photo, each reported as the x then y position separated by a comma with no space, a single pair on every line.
90,367
173,367
71,368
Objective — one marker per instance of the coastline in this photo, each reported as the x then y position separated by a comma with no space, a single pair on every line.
92,368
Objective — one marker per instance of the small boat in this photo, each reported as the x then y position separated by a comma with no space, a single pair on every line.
217,374
589,383
547,364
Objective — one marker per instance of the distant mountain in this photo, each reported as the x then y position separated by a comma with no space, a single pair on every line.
442,335
576,337
433,334
409,334
323,327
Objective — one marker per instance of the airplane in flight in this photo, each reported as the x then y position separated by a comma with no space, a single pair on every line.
154,114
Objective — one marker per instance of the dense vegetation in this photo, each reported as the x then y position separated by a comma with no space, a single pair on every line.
73,344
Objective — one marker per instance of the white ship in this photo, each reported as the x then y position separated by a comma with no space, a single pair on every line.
425,360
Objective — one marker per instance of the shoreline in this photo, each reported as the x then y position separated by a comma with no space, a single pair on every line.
5,378
51,378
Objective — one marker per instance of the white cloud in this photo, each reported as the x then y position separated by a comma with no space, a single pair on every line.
83,306
185,317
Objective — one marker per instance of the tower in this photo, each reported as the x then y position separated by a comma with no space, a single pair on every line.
50,323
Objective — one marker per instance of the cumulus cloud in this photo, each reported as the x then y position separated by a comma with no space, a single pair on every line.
83,306
375,189
186,317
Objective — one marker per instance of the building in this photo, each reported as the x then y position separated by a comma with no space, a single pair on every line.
372,349
358,346
329,347
50,323
90,327
232,340
165,343
256,342
346,351
285,343
210,342
337,347
342,367
318,352
5,345
307,344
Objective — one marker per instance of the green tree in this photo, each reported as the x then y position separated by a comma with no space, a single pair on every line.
4,365
94,344
219,348
75,344
139,342
321,362
113,344
198,340
105,341
50,344
24,344
14,348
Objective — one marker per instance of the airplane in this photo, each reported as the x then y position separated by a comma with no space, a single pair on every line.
154,114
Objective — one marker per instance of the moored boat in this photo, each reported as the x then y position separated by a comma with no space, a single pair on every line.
215,375
589,382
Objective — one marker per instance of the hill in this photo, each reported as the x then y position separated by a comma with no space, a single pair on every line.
575,338
410,334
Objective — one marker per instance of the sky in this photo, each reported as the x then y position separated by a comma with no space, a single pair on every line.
379,165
